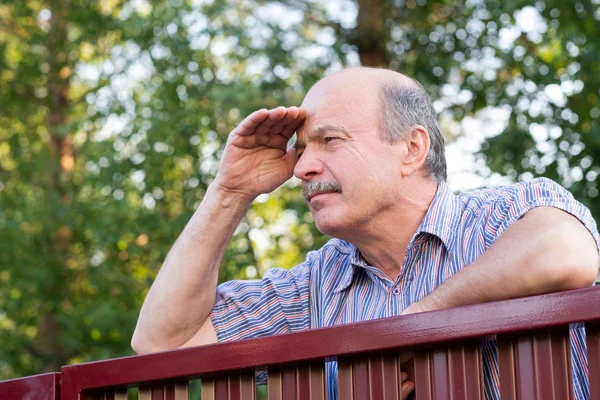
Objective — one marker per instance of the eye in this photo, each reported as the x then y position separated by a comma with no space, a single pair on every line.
329,139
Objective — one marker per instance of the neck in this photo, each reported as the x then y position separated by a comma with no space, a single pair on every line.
384,239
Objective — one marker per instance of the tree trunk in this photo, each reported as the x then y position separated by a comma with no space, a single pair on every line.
372,35
59,189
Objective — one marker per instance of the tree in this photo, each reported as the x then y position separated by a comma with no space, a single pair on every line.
113,115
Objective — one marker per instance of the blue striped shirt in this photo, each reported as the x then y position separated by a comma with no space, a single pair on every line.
335,285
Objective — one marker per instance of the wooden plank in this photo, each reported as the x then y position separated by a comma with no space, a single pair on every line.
289,388
115,394
345,379
207,391
275,385
407,331
247,385
234,385
391,377
543,371
376,378
457,374
145,393
561,364
38,387
181,390
423,376
473,371
311,382
525,368
158,391
441,385
507,367
360,380
222,387
317,381
593,356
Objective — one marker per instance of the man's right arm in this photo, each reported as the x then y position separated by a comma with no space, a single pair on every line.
176,310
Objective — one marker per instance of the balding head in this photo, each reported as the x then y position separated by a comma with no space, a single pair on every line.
392,101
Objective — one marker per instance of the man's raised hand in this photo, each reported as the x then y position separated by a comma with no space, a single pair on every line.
256,159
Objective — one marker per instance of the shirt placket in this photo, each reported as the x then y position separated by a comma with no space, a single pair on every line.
396,293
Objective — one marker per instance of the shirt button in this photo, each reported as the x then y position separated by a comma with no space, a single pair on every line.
396,291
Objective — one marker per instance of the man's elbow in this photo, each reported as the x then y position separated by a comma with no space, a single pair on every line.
138,345
576,258
577,276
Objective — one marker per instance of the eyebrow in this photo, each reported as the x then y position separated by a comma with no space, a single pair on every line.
321,131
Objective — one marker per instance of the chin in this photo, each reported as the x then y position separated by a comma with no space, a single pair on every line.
331,227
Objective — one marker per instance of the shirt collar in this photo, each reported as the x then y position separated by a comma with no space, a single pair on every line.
442,216
440,220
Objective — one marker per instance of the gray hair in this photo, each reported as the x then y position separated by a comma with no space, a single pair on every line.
403,107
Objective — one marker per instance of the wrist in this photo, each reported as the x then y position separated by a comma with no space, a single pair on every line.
227,198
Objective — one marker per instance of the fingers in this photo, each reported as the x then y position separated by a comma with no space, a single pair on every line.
279,120
288,130
251,122
290,117
276,117
407,386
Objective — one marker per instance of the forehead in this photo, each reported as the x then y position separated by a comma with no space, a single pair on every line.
339,105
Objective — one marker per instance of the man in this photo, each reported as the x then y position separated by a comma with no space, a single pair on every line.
371,159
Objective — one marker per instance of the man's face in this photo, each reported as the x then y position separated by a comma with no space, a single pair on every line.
349,176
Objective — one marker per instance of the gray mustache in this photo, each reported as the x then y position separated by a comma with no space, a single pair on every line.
312,188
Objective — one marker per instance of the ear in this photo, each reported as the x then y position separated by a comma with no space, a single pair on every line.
417,148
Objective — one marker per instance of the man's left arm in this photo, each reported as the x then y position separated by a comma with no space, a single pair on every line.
546,250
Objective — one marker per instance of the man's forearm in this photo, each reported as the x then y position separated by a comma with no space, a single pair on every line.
545,251
183,294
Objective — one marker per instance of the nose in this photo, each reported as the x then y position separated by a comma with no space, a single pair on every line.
308,166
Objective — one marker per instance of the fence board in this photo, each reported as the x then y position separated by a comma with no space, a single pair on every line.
360,379
423,376
145,393
275,385
288,383
311,382
158,391
506,363
391,377
441,385
345,379
115,394
536,367
176,391
207,391
593,355
38,387
465,373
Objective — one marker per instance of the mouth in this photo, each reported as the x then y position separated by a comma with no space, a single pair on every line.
312,196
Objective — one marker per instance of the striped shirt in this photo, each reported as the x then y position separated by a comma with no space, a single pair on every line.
335,285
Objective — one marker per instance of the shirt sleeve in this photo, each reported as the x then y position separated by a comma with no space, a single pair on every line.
278,303
515,200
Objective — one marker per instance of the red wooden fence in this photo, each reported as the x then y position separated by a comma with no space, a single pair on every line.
444,346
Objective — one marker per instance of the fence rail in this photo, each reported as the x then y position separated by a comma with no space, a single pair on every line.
441,350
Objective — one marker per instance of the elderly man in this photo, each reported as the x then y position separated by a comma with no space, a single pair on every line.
370,156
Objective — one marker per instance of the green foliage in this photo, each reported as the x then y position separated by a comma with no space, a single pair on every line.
113,115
